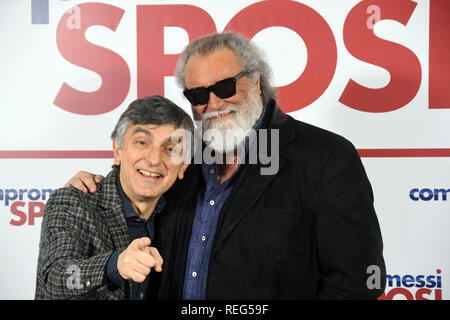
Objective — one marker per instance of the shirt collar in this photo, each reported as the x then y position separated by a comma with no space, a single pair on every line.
128,208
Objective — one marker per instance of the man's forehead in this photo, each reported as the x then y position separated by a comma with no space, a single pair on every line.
204,70
156,131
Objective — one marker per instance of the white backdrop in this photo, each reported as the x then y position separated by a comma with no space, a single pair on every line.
403,149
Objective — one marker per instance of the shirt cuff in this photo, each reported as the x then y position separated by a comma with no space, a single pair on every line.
112,272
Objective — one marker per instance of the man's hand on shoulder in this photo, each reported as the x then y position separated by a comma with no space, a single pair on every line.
136,261
84,181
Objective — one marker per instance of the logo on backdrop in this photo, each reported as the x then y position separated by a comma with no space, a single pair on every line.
410,287
26,205
428,194
153,64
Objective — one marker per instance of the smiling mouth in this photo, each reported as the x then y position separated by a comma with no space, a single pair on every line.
149,173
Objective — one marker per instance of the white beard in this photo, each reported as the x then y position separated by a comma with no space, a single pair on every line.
224,136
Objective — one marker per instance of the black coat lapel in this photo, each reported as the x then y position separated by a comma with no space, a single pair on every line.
250,183
177,227
242,198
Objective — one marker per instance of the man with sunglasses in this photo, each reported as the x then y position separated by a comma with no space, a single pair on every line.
308,231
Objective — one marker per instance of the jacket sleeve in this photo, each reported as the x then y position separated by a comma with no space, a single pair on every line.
70,264
349,238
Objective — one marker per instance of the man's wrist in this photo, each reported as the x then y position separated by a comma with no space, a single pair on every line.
112,272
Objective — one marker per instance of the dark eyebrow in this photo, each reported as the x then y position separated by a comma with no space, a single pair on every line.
142,130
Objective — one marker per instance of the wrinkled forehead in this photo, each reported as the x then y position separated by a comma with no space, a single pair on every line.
156,132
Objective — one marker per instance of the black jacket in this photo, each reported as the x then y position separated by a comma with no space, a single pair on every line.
308,232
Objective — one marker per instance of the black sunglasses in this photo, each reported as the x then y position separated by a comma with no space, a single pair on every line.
223,89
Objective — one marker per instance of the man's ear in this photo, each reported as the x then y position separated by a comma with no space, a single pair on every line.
116,151
183,169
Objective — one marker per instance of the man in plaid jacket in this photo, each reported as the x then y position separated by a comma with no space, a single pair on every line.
96,246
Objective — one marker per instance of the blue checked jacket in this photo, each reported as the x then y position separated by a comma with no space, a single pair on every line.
79,233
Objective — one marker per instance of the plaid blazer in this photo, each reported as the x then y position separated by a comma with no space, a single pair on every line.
79,233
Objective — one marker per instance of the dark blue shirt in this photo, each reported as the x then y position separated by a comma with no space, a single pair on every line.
137,228
207,212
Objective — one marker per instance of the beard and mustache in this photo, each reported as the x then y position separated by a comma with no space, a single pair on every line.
227,135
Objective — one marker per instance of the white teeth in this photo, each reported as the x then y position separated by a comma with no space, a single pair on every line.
148,173
145,173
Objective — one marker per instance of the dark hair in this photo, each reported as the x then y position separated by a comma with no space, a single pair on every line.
152,110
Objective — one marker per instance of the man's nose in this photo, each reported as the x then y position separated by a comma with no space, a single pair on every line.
153,156
214,102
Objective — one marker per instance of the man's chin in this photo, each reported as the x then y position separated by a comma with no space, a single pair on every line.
149,190
224,147
149,195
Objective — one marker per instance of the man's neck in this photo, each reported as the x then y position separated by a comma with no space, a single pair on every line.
227,168
143,206
144,209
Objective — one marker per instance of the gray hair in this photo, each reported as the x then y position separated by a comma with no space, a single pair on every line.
152,110
250,56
